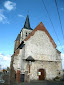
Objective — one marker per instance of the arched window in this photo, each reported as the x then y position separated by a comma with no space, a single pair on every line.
26,34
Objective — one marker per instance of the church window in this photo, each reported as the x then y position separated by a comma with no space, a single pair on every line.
26,34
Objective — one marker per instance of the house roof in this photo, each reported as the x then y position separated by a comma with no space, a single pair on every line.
27,23
16,52
30,58
21,45
58,51
18,37
42,28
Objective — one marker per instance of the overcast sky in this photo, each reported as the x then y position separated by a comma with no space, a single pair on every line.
12,18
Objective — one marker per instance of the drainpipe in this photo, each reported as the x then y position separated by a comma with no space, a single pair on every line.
29,62
29,68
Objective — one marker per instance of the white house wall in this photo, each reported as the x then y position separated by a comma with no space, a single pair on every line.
49,67
23,33
40,48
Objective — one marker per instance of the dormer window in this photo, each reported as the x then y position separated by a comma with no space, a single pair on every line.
26,34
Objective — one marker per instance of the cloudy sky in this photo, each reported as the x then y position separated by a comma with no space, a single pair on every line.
12,18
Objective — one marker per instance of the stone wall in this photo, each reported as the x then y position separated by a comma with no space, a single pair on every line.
23,33
17,43
40,48
43,51
51,70
13,65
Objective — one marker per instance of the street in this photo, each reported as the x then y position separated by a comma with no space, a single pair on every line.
38,83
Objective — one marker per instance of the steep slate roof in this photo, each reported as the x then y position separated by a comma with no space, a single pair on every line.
27,23
42,28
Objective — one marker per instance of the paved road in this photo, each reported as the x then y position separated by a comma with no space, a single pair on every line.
43,83
39,83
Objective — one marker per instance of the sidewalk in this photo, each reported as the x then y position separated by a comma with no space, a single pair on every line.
38,83
43,83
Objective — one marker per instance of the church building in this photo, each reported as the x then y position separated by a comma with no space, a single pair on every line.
35,55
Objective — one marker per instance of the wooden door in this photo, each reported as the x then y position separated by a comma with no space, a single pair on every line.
41,76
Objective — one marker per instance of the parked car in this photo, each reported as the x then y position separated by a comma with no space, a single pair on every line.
2,81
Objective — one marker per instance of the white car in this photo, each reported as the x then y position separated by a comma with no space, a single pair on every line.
2,81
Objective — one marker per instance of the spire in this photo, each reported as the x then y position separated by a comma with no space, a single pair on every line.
27,23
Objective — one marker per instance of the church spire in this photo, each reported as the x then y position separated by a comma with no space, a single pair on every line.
27,23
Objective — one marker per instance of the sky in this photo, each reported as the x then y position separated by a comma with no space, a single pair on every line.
12,18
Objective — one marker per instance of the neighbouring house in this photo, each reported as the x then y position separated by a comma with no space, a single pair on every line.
35,55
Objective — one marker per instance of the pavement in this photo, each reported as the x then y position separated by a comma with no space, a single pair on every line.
43,83
38,83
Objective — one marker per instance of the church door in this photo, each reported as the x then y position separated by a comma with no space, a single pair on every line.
41,72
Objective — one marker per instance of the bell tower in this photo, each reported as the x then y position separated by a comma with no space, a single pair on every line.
17,42
26,30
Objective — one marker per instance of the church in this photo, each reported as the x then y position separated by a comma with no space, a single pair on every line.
35,55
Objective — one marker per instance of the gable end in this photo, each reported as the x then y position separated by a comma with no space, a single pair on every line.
42,28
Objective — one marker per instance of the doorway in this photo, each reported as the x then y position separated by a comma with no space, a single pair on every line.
41,74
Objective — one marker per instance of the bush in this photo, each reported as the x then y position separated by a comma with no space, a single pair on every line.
56,77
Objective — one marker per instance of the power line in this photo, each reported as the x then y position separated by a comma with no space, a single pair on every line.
51,23
59,18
